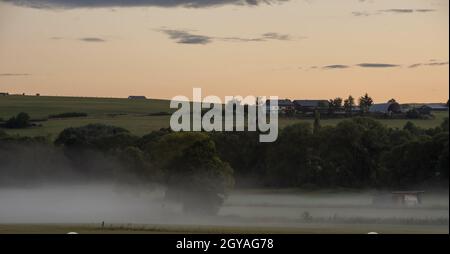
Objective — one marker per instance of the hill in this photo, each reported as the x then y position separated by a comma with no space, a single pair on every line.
140,116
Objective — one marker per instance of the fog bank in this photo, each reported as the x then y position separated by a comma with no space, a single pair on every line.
119,204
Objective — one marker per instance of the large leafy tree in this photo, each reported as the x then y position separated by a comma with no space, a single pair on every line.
289,158
195,175
350,152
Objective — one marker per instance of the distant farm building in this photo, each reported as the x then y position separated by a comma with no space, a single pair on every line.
310,105
428,108
137,97
399,198
386,108
356,109
282,107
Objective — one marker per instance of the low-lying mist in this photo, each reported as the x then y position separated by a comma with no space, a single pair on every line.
122,204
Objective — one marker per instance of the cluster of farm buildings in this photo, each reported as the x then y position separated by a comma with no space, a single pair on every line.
323,106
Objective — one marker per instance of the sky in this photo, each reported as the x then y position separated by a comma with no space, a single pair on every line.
297,49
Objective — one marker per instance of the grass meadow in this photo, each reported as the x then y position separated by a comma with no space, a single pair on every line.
134,115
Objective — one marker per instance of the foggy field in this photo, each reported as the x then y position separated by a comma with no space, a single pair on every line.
60,209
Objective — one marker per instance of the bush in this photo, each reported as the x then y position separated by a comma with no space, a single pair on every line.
68,115
162,113
22,120
413,114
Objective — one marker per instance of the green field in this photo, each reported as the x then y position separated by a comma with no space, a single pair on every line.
130,114
438,118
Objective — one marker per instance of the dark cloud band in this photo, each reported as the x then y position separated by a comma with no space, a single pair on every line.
336,66
92,39
428,64
377,65
14,74
49,4
187,37
391,11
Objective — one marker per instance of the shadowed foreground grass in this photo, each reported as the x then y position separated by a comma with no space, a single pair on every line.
191,229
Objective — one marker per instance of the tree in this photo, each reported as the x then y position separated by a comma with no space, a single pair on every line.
365,102
198,178
334,104
350,152
98,136
194,173
443,166
172,145
316,121
349,103
413,129
445,124
22,120
392,100
289,158
413,114
412,163
98,149
246,155
137,166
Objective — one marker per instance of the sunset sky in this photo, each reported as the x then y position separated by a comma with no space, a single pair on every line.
297,49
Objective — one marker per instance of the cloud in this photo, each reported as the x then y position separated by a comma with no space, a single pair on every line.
377,65
392,11
187,37
380,65
336,66
14,74
263,37
92,39
239,39
84,39
398,10
425,10
415,65
277,36
361,13
437,63
70,4
433,63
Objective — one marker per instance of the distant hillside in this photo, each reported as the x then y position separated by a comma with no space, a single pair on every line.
140,116
43,106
